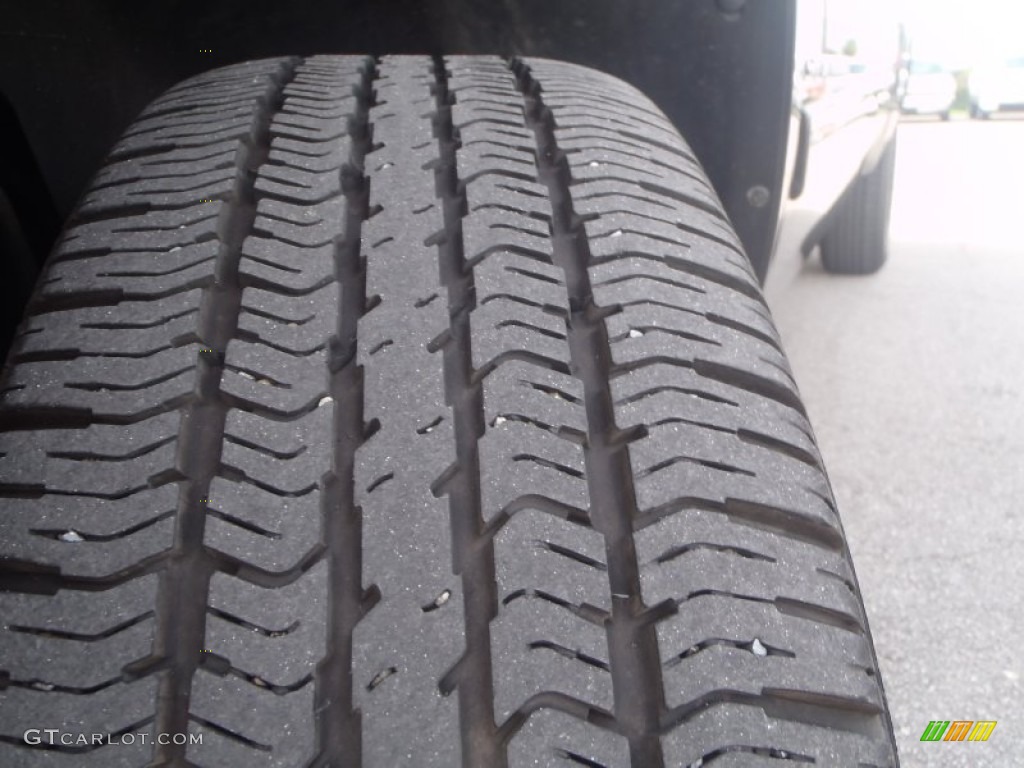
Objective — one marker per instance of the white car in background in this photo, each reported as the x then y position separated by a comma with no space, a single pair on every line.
931,89
997,87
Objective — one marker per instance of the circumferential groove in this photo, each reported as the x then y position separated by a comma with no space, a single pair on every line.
184,588
633,657
473,553
338,723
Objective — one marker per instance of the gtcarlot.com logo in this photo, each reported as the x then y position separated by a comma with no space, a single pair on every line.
55,737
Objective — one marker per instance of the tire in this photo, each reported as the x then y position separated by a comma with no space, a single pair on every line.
401,412
857,240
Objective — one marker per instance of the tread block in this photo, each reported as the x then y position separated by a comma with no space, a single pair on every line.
525,325
674,276
709,569
312,158
56,664
719,617
161,192
160,231
611,191
285,267
66,460
548,738
515,232
276,634
289,183
739,669
532,620
502,193
288,456
265,528
534,391
130,387
244,710
744,725
92,635
263,376
193,116
278,312
136,273
215,92
639,172
107,609
703,477
727,331
660,231
534,635
658,544
507,274
126,315
660,377
305,441
693,457
94,332
519,458
319,227
228,130
104,343
115,534
171,163
124,708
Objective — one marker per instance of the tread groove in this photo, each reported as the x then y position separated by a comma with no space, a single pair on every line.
338,722
473,554
80,636
184,587
632,643
62,533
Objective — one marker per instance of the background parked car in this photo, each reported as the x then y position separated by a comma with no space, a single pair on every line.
931,89
997,86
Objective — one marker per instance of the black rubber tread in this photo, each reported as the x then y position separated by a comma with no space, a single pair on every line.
857,241
417,412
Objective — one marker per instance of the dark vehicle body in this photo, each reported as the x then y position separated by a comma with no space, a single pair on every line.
777,99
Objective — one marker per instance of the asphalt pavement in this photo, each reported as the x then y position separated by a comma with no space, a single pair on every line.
914,380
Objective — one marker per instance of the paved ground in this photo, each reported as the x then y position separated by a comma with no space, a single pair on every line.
914,379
